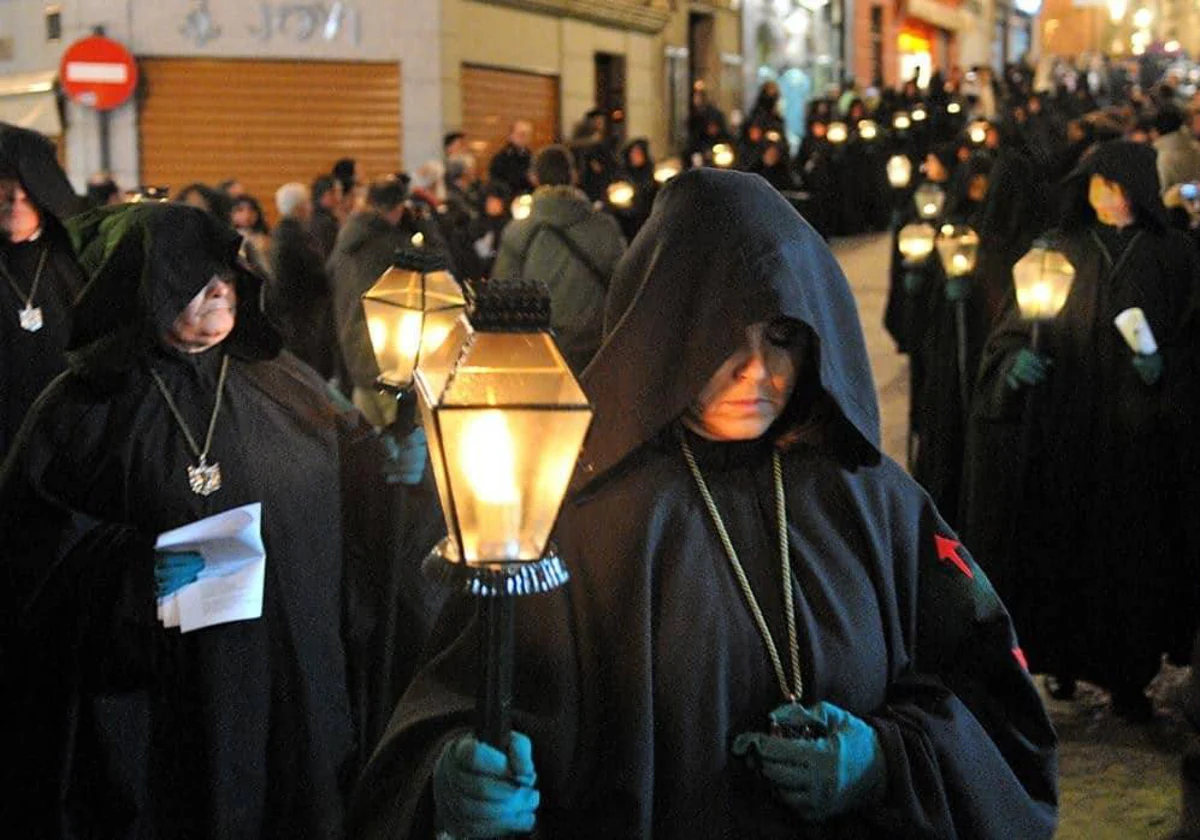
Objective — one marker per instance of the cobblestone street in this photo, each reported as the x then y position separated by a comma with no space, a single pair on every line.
1117,781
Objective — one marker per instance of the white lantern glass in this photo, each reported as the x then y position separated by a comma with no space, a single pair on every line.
978,132
929,200
620,194
958,247
953,108
667,170
506,420
919,115
409,313
1043,279
837,132
902,121
915,242
722,155
867,129
899,171
522,206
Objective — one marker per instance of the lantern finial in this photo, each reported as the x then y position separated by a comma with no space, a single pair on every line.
420,260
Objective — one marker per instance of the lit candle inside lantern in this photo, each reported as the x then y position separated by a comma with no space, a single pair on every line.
489,463
960,265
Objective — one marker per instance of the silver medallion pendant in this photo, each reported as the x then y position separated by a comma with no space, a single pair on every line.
31,318
204,478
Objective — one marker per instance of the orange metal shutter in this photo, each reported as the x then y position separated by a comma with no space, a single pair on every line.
266,122
493,99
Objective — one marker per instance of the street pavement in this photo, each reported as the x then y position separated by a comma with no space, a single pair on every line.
1117,781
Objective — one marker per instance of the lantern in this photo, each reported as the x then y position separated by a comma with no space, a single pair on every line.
666,170
929,199
620,194
522,206
867,129
977,132
506,420
410,311
919,115
837,133
1043,279
958,246
902,121
899,171
953,108
722,155
916,243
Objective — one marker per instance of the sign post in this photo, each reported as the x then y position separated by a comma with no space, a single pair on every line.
99,73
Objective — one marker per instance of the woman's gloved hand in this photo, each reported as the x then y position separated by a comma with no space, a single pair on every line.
1028,368
405,456
480,792
1148,366
841,768
174,570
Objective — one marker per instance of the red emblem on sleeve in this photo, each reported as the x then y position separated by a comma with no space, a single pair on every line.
947,551
1019,655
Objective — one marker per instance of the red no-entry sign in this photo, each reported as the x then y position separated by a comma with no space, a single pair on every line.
98,72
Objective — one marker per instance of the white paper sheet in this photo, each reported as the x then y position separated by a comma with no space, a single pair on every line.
230,586
1136,331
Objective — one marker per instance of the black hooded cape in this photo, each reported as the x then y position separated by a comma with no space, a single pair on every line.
634,679
247,729
29,360
1080,529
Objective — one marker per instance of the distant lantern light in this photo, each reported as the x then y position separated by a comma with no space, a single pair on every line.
954,108
899,171
837,133
919,115
902,121
978,131
666,170
916,242
958,247
867,129
929,200
620,194
723,156
522,206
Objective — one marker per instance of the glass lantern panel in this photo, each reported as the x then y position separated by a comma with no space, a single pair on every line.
929,200
1043,280
958,248
437,461
437,364
513,369
916,242
508,471
395,337
899,171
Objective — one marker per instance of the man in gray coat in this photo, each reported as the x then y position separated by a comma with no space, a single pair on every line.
569,246
1178,151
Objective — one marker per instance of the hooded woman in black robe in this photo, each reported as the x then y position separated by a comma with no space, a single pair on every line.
640,681
253,728
954,329
38,275
1073,503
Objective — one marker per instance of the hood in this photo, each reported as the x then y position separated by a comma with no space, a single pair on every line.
1132,165
32,158
144,264
720,251
1014,211
643,144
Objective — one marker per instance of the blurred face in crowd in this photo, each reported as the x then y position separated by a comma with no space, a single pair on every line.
770,155
993,138
522,134
934,170
207,320
1109,201
19,218
457,146
331,199
819,130
637,157
243,215
752,388
494,206
977,189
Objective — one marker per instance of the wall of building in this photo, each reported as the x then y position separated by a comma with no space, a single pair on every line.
372,30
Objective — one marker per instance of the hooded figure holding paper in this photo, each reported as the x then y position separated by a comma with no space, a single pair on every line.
177,406
646,690
1073,505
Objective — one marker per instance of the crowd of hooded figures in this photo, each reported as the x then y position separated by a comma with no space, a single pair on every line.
770,628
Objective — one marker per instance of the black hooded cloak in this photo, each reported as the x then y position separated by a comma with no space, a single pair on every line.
247,729
1080,530
29,360
634,679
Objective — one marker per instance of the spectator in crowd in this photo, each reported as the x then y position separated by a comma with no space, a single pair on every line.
568,245
324,224
454,143
1178,152
246,216
512,164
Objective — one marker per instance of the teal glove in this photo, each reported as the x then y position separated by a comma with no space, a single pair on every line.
1149,367
913,281
1028,368
174,570
405,457
957,288
480,792
820,777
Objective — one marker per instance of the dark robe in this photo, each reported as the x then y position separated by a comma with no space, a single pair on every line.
510,166
633,680
247,729
299,298
29,360
1073,503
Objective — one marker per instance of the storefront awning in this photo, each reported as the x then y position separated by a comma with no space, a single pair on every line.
940,15
28,100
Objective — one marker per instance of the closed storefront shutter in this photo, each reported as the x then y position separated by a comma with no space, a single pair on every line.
493,99
266,122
